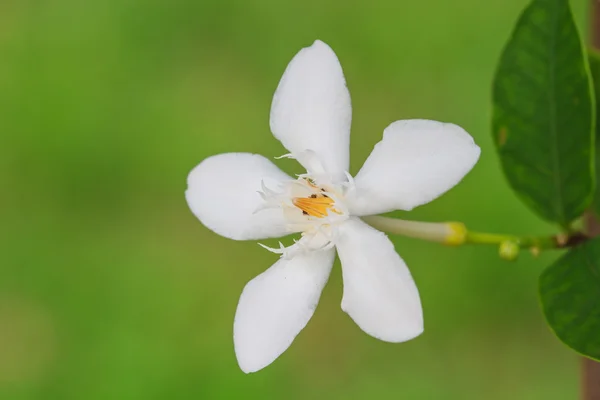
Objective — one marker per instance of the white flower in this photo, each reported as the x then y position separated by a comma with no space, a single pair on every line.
244,196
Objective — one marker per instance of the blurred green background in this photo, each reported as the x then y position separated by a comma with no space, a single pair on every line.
111,289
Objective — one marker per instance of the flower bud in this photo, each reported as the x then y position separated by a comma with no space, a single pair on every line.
509,250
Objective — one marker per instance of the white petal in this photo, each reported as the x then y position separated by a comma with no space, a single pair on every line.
379,292
276,305
311,109
223,193
417,161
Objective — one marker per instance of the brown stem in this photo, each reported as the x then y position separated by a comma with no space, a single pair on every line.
590,370
595,24
590,379
590,374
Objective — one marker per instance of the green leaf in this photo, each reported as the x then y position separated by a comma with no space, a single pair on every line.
594,59
570,294
543,115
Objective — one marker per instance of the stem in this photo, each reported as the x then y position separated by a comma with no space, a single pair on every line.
456,233
540,243
590,379
590,370
432,231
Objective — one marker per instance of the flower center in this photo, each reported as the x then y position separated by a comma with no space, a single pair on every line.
313,205
316,205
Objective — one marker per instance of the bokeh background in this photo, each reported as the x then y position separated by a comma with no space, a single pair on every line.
111,289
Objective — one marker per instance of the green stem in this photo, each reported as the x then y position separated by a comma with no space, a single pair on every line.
456,233
539,242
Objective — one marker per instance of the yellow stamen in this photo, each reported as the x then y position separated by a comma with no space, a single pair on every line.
315,205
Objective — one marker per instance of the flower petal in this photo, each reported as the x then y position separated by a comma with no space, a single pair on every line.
417,161
311,109
379,292
223,193
276,305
